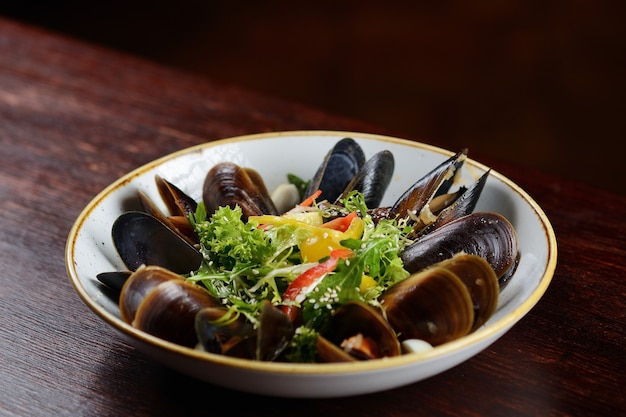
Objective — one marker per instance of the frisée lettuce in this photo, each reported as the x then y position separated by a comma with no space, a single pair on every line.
246,263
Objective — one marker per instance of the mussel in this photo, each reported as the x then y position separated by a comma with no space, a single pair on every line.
163,304
372,179
178,204
228,184
345,169
489,235
220,333
357,331
337,169
141,239
114,280
448,207
481,282
413,203
430,203
433,305
444,301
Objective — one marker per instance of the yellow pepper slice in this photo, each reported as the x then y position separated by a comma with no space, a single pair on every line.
367,282
321,240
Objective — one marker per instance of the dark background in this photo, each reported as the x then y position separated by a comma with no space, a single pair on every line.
538,82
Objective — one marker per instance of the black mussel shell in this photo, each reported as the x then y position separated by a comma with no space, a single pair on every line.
373,178
141,239
338,168
488,235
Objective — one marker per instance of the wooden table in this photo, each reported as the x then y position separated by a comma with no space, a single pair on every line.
73,118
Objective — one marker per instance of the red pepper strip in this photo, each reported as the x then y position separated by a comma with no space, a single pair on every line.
309,200
309,279
340,223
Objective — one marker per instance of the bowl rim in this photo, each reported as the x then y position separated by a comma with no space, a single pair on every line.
490,332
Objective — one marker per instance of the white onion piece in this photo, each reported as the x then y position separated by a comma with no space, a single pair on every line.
285,197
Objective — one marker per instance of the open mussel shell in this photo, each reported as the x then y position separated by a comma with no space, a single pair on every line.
438,181
177,202
228,184
182,228
373,178
460,204
114,279
488,235
338,168
141,239
433,305
273,334
238,338
327,351
161,303
217,334
268,206
357,331
179,207
137,287
481,282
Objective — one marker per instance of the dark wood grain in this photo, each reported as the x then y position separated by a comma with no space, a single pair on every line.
73,118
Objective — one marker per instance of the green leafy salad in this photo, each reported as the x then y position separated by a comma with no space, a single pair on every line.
306,262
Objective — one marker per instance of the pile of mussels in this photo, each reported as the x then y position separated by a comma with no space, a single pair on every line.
459,261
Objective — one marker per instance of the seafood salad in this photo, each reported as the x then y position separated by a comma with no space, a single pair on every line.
316,271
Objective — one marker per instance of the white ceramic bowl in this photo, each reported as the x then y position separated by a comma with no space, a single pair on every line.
89,251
